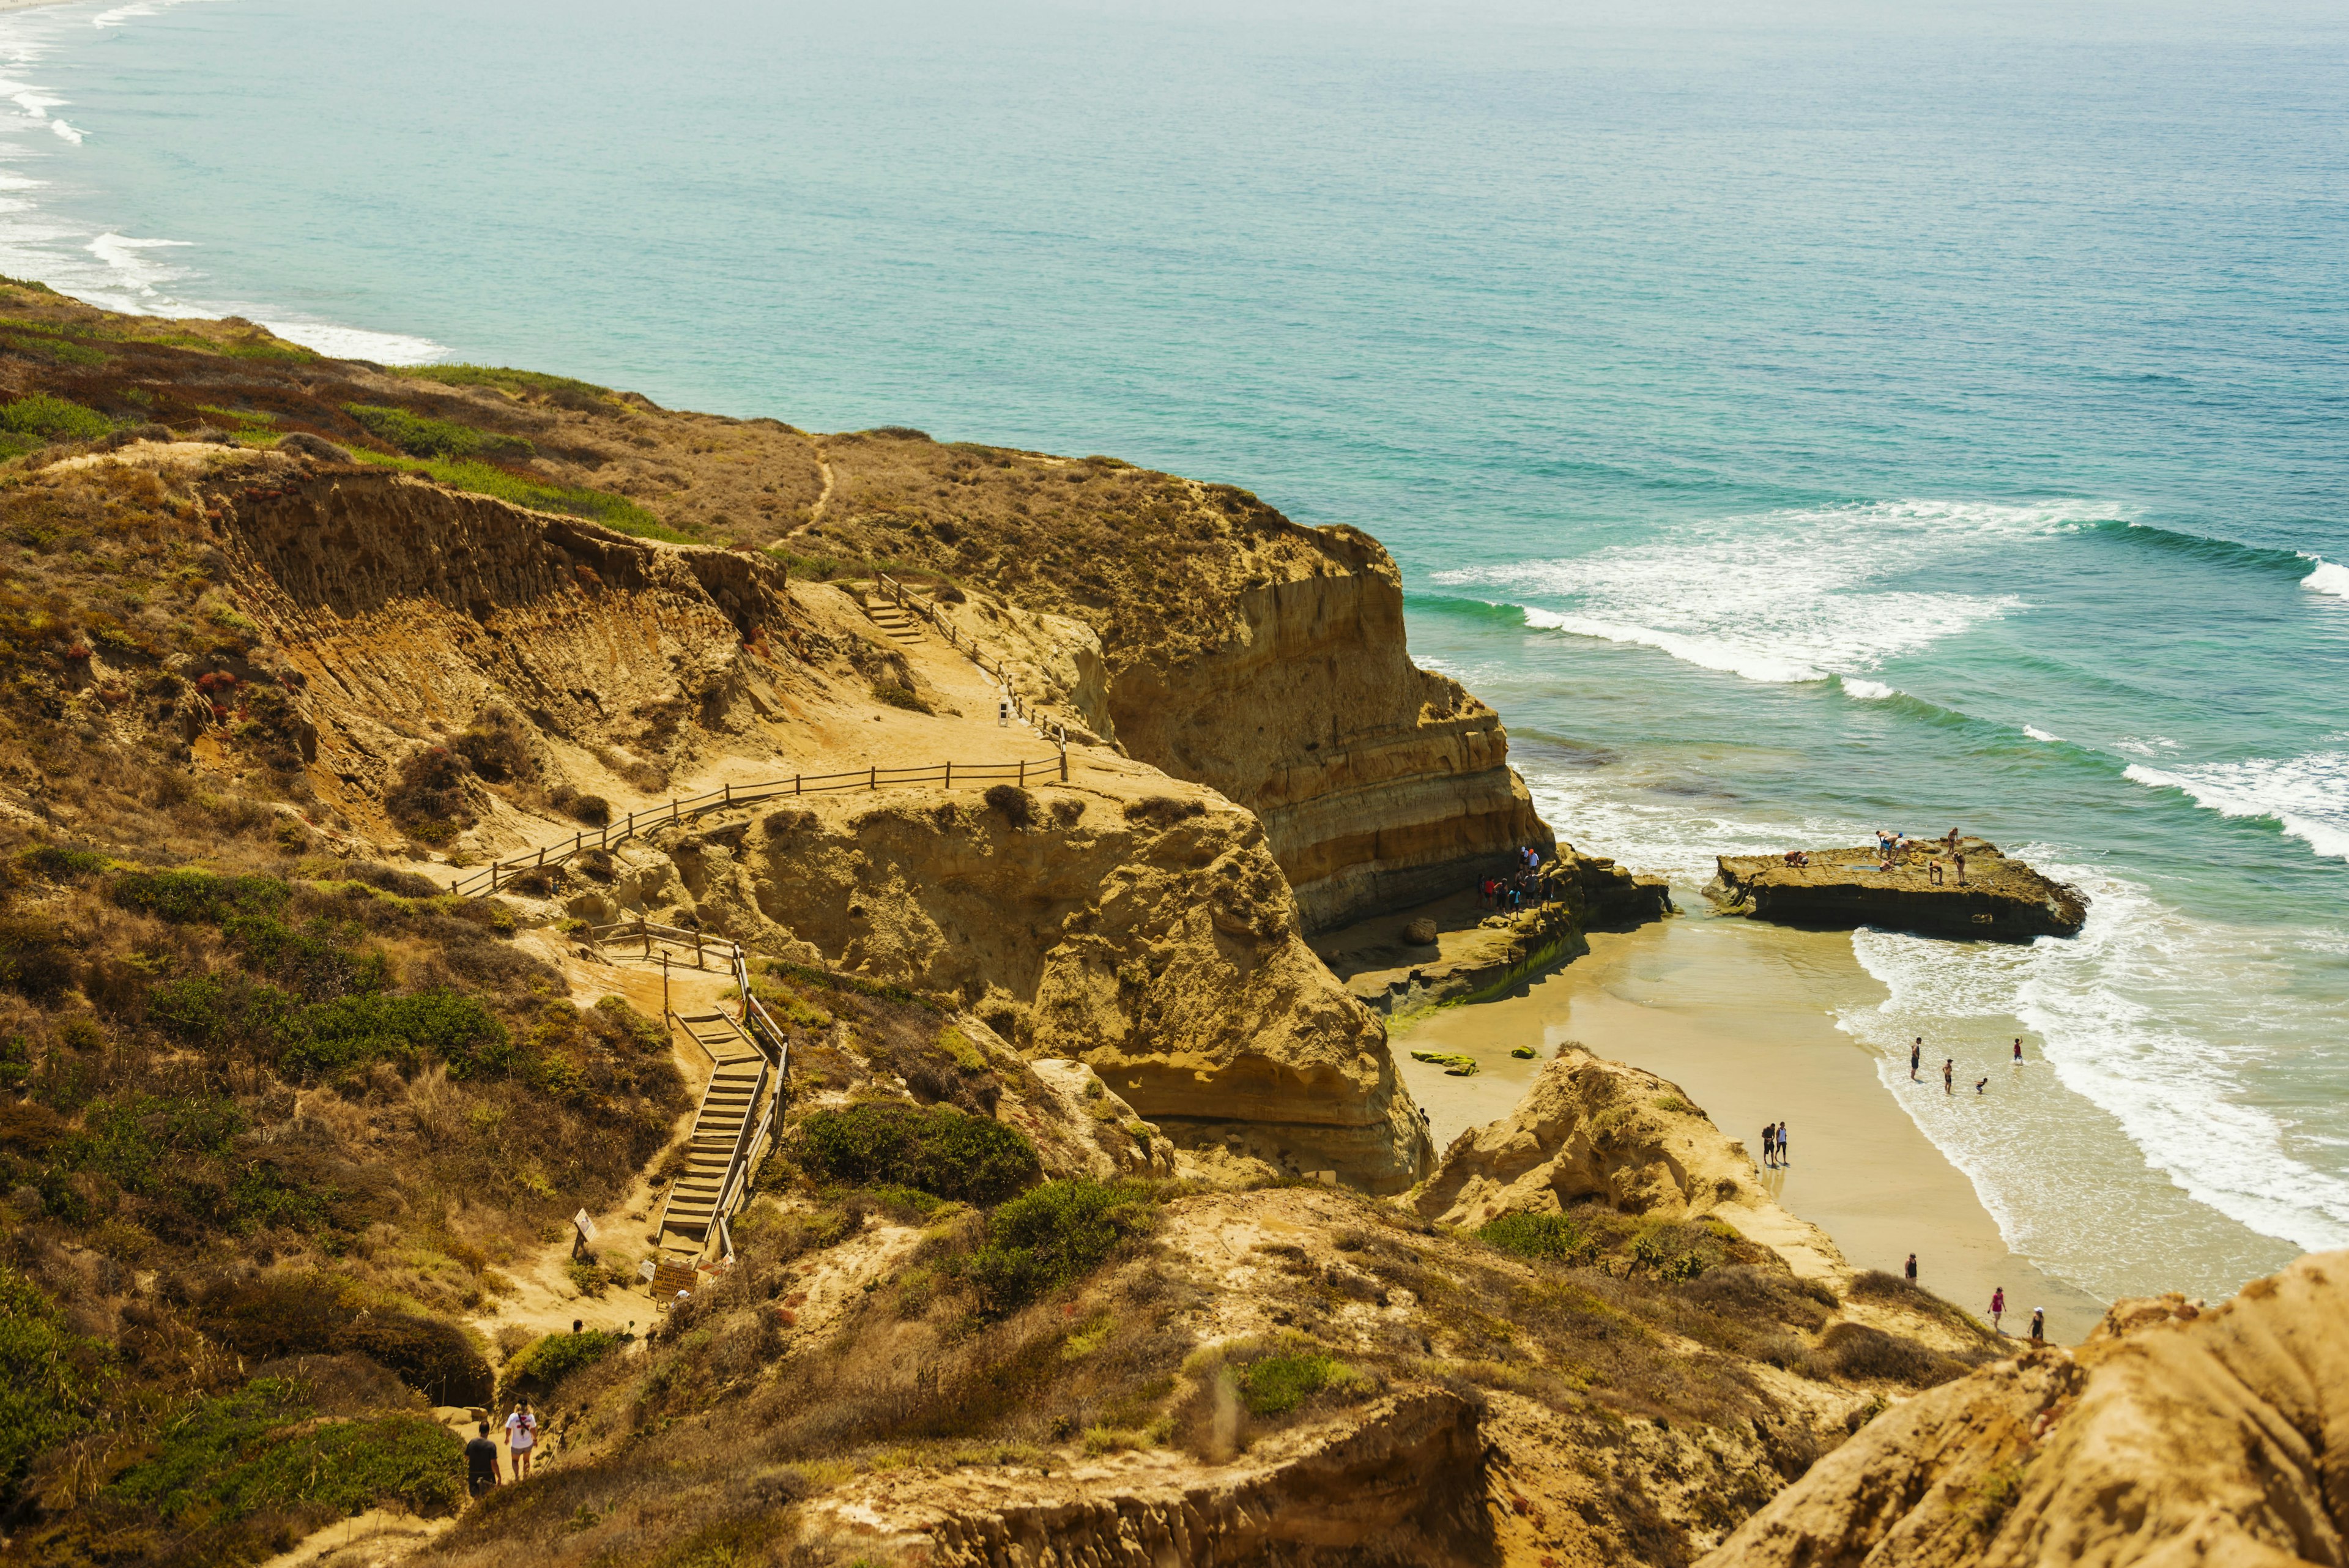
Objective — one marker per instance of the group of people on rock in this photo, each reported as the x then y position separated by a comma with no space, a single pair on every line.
1893,849
1528,884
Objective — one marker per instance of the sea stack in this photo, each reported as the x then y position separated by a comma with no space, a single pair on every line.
1838,889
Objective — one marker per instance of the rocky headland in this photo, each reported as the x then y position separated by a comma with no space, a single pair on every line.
1093,1223
1838,890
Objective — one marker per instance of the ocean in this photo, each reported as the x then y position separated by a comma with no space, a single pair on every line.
1796,420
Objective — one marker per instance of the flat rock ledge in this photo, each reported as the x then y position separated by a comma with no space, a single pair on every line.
2000,899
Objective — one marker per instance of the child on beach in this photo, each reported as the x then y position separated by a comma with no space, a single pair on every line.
1979,1084
1997,1308
2018,1050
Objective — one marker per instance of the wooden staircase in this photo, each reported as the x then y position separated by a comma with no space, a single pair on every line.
901,625
724,1128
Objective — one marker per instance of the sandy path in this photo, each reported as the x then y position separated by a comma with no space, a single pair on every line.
1742,1016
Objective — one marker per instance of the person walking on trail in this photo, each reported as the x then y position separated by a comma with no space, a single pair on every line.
1997,1308
480,1463
1911,1269
1916,1054
521,1437
2038,1325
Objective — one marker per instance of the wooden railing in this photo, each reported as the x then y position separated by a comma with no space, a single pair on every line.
774,1044
904,599
944,775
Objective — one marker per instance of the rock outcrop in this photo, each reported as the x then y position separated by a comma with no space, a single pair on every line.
1592,1129
1153,938
1381,785
2175,1435
1838,890
1237,649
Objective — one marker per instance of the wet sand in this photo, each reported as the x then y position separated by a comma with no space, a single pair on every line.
1742,1016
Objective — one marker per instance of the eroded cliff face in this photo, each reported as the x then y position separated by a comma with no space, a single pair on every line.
2176,1434
405,610
1239,650
1380,785
1152,937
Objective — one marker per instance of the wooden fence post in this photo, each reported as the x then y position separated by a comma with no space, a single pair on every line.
1023,773
873,781
729,793
795,783
949,776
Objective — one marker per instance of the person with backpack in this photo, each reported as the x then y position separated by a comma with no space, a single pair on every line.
521,1437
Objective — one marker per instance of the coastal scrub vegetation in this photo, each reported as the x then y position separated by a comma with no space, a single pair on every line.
264,1115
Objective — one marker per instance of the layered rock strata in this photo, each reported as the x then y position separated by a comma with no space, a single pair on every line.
1381,785
2175,1435
1838,890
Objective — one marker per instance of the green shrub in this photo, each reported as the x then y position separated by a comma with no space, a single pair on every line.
941,1150
428,1026
318,1315
1278,1384
37,957
1551,1236
428,796
482,479
59,864
419,435
187,898
53,418
1059,1232
50,1379
253,1452
903,697
547,1362
308,960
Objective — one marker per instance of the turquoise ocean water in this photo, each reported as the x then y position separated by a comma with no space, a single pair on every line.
1797,421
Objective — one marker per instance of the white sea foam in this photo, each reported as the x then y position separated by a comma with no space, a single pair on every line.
2036,734
2152,1016
2307,796
1867,690
1783,596
134,275
358,342
2329,578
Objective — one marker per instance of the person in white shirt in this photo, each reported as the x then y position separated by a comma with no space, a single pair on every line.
521,1439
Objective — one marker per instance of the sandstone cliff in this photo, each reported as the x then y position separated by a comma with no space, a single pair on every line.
1239,651
2176,1434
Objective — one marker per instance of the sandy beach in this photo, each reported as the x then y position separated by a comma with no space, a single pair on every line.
1742,1016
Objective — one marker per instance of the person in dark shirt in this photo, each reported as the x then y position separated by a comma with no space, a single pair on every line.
481,1462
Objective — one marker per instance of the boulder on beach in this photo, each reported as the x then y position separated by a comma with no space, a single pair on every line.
1838,889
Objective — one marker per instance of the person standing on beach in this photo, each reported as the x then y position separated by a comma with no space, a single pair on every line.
2018,1050
1997,1308
2038,1325
1911,1269
1783,1160
1916,1054
1949,1074
1769,1134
